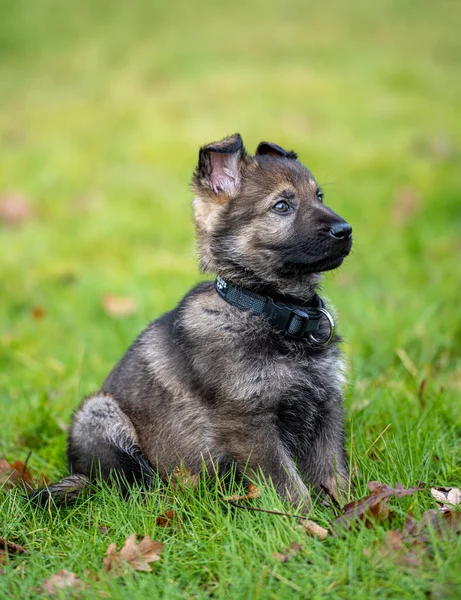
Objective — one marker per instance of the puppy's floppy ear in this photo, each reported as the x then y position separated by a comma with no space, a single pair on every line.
274,150
219,166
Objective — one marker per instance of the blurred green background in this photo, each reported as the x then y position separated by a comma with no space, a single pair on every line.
103,108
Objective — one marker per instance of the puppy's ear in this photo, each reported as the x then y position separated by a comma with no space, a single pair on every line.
219,166
274,150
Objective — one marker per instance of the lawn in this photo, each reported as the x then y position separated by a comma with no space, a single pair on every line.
103,107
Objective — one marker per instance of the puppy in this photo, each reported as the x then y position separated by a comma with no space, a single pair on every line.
245,372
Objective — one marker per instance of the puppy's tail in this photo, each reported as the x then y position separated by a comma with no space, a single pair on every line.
66,490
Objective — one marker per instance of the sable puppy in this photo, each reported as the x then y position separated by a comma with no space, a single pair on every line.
244,372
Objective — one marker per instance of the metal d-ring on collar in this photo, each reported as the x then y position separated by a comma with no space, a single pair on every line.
293,321
327,341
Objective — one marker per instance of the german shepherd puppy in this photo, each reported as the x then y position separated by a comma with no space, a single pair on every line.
245,373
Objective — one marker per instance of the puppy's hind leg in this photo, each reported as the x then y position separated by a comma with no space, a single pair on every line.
102,442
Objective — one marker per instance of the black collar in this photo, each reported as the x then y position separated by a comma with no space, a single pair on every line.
292,320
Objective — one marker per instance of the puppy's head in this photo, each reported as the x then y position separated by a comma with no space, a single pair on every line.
261,221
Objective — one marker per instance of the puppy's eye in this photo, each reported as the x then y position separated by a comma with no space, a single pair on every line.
282,208
320,195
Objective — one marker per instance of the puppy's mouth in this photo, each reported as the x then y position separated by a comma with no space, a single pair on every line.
308,263
317,266
329,264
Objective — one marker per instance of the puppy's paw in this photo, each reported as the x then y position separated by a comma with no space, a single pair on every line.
339,488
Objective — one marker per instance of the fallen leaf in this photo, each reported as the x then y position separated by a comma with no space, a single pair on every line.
253,492
313,529
38,312
452,520
288,553
14,210
17,473
394,539
25,476
405,549
8,476
371,507
61,580
119,306
111,560
91,575
409,546
10,547
448,520
166,519
137,556
405,546
406,205
184,478
449,497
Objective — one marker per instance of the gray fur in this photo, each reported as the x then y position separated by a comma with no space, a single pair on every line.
209,383
67,489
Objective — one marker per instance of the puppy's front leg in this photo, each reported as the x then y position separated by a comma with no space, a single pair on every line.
324,463
260,449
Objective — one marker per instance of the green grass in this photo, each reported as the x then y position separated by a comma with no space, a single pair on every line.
103,108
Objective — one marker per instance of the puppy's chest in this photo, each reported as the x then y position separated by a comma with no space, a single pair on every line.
261,377
235,357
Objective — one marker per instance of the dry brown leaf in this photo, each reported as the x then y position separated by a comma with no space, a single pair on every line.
440,521
166,519
452,520
104,529
25,476
17,473
10,547
288,553
448,497
371,507
409,546
137,556
405,549
61,580
449,520
38,312
8,476
119,306
313,529
14,210
111,560
183,477
253,492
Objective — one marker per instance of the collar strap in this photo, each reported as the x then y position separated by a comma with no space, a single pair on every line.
294,321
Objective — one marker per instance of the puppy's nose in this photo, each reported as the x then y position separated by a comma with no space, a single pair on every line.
341,230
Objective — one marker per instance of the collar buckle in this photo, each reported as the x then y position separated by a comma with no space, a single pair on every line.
298,323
